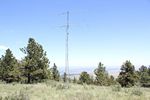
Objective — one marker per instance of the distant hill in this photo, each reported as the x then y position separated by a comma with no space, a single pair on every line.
75,71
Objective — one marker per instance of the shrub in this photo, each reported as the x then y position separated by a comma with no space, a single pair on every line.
84,78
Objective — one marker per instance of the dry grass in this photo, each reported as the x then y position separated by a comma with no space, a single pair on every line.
57,91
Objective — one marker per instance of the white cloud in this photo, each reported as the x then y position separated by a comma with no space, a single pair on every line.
2,47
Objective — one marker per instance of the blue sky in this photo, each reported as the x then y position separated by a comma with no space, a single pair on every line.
110,31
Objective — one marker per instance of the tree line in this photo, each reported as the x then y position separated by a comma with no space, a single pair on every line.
127,77
34,68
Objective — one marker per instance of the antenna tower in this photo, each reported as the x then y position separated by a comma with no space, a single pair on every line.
66,51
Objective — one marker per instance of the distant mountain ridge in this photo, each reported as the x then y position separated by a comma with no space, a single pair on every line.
112,70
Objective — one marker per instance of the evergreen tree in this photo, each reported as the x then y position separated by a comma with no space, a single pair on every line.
9,68
127,77
84,78
144,75
101,75
35,63
143,69
55,73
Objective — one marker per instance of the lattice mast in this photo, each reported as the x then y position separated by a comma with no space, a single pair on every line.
66,51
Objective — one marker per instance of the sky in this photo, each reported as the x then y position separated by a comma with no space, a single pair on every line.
107,31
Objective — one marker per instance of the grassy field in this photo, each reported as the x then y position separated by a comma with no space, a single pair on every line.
57,91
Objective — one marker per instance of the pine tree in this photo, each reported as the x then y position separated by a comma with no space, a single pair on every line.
55,73
9,68
35,63
143,69
127,77
101,75
144,75
84,78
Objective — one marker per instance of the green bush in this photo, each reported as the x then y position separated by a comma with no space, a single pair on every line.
84,78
